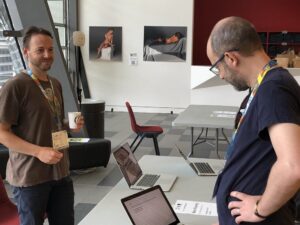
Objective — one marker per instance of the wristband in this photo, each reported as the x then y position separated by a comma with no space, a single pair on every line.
257,213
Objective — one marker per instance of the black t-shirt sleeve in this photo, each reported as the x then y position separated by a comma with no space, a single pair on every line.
276,104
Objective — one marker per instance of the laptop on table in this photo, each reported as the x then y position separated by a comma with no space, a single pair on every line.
150,207
200,168
133,173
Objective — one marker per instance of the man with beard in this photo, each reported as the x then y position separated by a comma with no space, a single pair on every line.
262,172
31,112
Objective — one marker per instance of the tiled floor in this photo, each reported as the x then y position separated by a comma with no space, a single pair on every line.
91,187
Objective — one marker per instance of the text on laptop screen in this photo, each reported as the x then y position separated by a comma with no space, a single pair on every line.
128,164
150,209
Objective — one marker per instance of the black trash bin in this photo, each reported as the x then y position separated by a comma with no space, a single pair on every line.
93,112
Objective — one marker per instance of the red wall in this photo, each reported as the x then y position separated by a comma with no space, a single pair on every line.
266,15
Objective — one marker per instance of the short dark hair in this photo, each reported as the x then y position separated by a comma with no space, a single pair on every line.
31,31
235,33
110,29
179,35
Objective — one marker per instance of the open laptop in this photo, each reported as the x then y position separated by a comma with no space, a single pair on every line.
133,174
201,168
150,207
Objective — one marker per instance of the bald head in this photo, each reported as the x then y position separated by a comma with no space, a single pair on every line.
234,33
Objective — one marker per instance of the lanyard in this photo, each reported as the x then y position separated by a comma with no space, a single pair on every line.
55,107
271,64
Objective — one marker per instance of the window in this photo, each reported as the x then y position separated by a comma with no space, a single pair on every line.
58,9
10,56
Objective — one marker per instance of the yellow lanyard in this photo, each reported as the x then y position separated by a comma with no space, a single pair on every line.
55,107
272,64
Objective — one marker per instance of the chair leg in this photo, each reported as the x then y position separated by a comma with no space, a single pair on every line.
156,145
134,141
138,144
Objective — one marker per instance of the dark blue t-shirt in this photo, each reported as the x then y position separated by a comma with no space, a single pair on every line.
277,101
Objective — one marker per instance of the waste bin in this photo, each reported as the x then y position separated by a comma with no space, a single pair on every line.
93,112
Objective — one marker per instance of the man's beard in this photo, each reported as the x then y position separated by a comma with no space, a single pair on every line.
45,65
234,80
42,64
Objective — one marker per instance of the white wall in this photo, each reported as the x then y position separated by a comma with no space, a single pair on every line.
208,89
156,86
150,86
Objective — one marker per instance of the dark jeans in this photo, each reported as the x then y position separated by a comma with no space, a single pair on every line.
54,199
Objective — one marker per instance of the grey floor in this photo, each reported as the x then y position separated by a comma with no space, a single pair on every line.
91,187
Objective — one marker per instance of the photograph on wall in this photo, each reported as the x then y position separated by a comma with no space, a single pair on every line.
165,43
105,43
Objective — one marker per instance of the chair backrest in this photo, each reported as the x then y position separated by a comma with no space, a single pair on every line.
3,194
134,125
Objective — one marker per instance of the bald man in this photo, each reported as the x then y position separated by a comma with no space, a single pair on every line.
262,171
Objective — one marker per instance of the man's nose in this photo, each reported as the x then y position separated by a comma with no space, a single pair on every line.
48,54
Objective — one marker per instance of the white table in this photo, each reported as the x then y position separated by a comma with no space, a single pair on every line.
188,186
205,117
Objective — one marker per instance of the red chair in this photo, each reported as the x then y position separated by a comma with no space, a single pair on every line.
8,211
143,131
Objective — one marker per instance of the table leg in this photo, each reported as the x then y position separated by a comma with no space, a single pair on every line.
192,142
224,135
217,142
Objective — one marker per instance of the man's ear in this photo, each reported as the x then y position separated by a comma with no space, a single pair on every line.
231,59
25,52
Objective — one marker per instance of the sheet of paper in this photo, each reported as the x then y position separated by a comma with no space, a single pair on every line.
224,114
133,59
196,208
81,140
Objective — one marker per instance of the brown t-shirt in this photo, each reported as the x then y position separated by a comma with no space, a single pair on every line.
25,108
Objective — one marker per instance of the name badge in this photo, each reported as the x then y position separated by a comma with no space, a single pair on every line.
60,140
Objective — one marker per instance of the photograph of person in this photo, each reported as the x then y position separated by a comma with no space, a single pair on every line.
105,43
165,44
169,40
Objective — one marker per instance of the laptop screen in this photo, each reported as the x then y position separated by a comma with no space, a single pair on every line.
150,207
128,164
181,153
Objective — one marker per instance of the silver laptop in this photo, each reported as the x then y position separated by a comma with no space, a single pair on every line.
201,168
133,174
150,207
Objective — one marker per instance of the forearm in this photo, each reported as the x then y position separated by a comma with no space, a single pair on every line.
11,141
283,183
101,46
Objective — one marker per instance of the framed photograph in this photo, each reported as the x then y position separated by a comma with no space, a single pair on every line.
105,43
165,43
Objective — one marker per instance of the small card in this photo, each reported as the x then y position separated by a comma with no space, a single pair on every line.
60,140
80,140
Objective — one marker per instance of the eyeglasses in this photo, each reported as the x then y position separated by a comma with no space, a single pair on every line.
214,67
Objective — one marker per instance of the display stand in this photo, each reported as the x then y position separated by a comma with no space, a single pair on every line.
93,112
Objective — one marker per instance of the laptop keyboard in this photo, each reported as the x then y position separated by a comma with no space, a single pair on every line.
148,180
204,168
